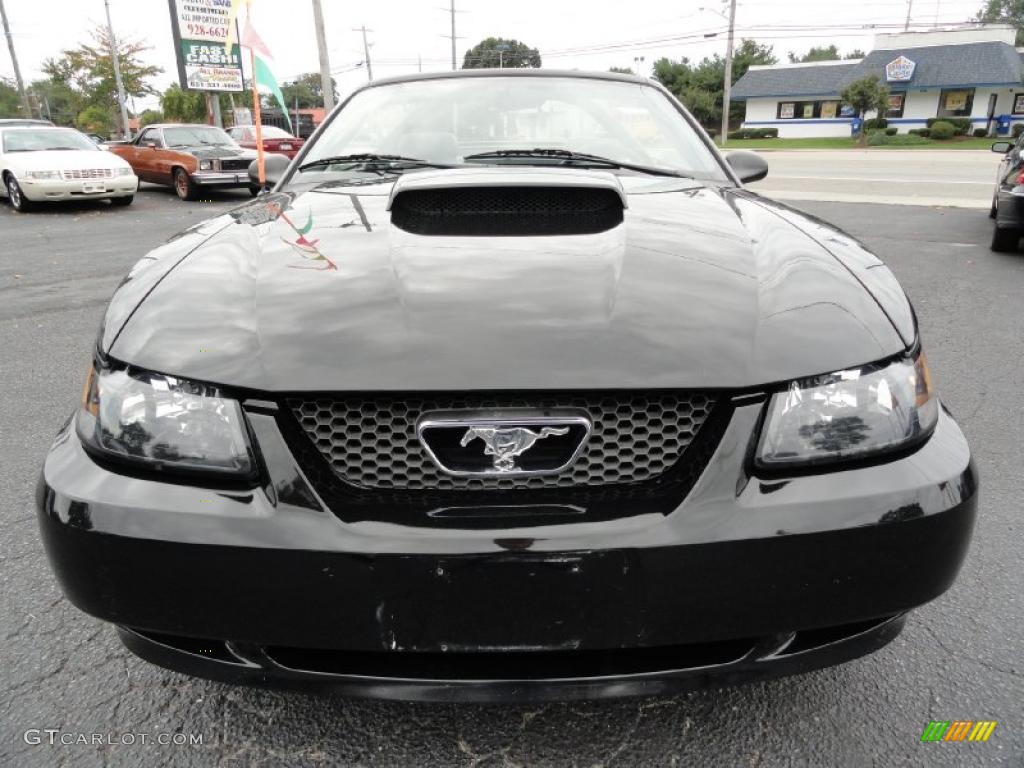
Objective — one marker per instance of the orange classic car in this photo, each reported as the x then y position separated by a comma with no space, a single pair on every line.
188,157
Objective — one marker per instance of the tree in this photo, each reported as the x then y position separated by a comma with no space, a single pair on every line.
10,99
95,119
1006,12
181,106
822,53
88,71
499,51
56,100
308,89
700,86
869,94
856,53
150,116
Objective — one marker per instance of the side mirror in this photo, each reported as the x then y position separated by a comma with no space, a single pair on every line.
749,166
274,168
151,144
1002,147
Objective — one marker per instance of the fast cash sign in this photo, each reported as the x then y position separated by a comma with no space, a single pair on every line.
200,30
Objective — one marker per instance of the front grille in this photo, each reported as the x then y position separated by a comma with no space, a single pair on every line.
235,164
88,173
514,211
371,442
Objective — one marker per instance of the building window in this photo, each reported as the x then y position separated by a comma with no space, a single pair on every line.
955,102
896,102
1018,104
807,110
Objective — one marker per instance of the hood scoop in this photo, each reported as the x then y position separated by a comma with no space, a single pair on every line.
517,202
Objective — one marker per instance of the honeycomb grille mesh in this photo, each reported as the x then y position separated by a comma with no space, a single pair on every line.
371,442
519,211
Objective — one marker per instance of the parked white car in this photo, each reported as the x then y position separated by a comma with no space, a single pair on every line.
42,164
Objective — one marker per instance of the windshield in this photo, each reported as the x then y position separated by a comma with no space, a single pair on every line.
190,135
445,121
42,139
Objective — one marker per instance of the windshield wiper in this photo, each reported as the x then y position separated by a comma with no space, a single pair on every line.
568,157
372,160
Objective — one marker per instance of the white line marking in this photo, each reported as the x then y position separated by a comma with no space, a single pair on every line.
883,181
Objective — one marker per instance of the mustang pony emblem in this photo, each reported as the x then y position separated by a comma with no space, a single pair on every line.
505,443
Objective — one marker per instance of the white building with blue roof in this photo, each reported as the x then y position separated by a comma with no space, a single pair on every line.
973,73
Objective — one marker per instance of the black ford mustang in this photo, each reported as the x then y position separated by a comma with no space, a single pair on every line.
508,390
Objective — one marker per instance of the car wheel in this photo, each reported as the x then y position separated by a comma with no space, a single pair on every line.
183,185
1005,240
121,201
254,190
18,200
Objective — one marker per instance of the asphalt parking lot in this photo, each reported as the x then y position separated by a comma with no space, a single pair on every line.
960,658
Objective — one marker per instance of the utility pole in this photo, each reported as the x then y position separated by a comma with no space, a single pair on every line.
366,51
727,85
14,61
910,7
452,10
419,61
325,65
126,132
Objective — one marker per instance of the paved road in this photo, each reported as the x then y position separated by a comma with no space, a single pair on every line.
959,658
961,178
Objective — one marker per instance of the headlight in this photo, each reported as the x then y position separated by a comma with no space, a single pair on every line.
163,423
40,175
205,165
124,171
849,414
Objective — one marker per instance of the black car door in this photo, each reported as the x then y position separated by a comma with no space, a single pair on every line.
1010,168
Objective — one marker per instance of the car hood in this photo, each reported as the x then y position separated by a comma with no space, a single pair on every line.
318,291
206,152
66,159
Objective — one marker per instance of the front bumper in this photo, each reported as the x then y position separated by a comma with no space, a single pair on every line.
746,579
221,178
55,190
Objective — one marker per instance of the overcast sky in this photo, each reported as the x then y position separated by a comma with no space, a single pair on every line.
405,29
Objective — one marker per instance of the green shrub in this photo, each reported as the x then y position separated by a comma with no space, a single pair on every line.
961,125
943,131
922,132
885,139
1018,129
875,123
980,133
891,131
771,133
